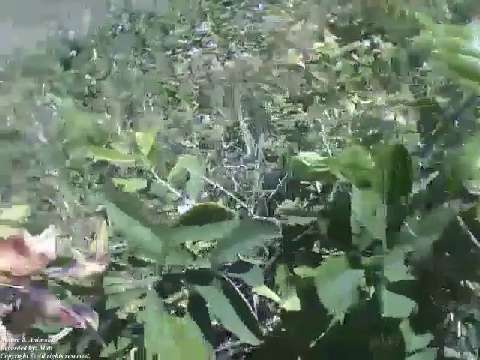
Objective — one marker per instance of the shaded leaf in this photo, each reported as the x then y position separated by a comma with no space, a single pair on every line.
245,240
414,342
205,213
169,336
221,308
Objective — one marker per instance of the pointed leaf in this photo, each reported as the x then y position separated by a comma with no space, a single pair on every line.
337,284
98,153
414,342
396,306
221,308
169,336
130,185
145,141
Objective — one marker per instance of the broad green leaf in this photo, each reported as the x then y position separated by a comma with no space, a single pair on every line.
394,266
80,127
369,213
123,299
413,342
139,237
427,354
309,166
206,213
169,336
219,231
456,45
16,213
245,240
98,153
394,171
253,277
337,284
116,350
460,65
464,164
354,164
130,185
221,308
188,174
284,282
396,306
265,291
145,141
420,232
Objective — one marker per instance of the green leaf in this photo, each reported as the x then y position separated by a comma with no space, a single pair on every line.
460,65
145,141
396,306
427,354
171,337
206,213
253,277
115,351
309,166
284,282
369,213
420,232
81,128
337,284
130,185
354,164
413,342
394,266
123,299
16,213
394,167
245,240
139,237
221,308
98,153
188,174
265,291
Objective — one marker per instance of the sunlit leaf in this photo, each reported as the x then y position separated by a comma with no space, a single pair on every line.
188,174
396,306
17,213
337,284
131,184
103,154
145,141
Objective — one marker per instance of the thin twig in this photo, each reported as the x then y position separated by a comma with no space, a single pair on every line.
241,295
12,286
279,186
468,232
228,345
230,194
57,337
334,320
166,184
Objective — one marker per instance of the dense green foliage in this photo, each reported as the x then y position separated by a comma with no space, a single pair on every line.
282,180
